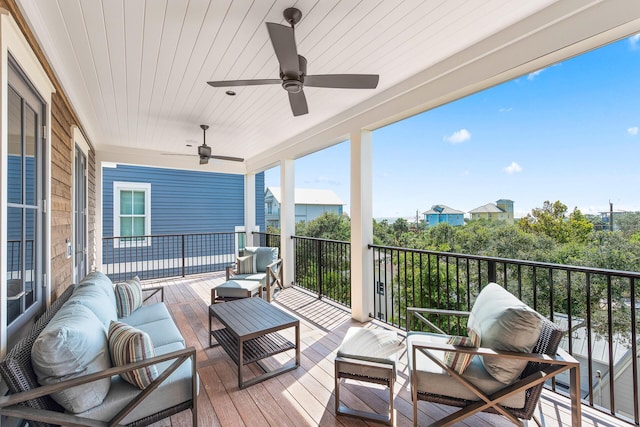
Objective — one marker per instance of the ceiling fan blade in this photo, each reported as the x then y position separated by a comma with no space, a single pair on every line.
204,160
231,159
177,154
227,83
284,44
298,103
343,81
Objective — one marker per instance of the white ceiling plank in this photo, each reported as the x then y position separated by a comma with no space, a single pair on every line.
134,28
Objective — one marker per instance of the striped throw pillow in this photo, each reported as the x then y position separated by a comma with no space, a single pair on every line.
246,264
459,361
128,345
128,297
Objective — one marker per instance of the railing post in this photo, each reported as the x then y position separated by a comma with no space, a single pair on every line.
491,271
183,268
318,267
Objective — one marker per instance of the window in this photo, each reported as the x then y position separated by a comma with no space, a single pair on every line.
269,208
131,213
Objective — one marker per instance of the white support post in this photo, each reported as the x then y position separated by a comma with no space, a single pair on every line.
287,218
99,231
361,226
250,206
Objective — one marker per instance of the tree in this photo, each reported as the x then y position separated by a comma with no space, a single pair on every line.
327,226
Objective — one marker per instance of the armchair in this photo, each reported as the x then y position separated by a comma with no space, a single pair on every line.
474,388
266,268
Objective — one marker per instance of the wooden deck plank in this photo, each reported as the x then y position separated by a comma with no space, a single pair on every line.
305,396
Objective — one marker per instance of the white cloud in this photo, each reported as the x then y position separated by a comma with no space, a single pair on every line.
513,168
505,110
634,41
459,136
326,180
633,131
465,173
532,76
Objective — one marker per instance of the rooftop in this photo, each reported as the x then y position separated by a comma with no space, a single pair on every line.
309,196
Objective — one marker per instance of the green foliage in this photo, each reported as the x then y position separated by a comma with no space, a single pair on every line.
328,226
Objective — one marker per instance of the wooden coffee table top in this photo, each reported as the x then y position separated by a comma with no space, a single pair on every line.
251,317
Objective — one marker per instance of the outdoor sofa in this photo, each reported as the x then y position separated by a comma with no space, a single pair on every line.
63,371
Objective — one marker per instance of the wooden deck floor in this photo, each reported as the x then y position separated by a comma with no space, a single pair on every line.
304,396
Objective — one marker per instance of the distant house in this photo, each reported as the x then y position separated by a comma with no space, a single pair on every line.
143,201
442,213
309,204
501,210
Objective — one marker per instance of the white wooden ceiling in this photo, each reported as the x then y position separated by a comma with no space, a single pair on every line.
136,70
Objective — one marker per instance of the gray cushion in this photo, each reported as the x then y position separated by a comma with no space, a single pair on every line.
73,344
434,380
238,288
375,345
264,256
174,390
504,323
94,298
155,320
257,277
101,281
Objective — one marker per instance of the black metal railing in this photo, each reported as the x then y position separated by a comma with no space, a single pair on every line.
597,308
266,239
168,255
324,267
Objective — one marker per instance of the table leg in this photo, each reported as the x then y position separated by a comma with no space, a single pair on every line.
298,344
240,362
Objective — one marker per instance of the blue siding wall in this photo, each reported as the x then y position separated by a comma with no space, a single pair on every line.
186,201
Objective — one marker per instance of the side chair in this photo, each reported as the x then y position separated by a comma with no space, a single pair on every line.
492,377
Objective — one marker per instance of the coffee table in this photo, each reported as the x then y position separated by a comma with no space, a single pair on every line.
250,334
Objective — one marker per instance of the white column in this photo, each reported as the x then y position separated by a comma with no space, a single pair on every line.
98,220
250,206
287,218
361,226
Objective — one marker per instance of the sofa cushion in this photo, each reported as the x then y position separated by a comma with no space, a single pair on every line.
155,320
174,390
504,323
94,298
74,343
432,379
128,296
264,256
129,345
100,281
459,361
246,264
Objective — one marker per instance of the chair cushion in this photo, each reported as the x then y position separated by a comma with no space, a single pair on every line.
74,343
238,288
459,361
128,345
375,345
264,256
128,296
256,277
504,323
432,379
246,264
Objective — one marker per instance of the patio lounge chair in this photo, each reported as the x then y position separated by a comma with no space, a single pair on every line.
263,265
518,351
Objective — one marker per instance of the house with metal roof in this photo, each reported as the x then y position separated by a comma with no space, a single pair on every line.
501,210
310,203
443,213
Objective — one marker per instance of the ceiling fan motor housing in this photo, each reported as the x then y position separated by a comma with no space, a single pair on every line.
294,84
204,151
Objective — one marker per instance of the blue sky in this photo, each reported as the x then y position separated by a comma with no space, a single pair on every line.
569,132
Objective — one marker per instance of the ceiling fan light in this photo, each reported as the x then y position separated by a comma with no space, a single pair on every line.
204,151
204,160
293,86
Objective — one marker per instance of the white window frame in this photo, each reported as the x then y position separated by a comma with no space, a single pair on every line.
119,186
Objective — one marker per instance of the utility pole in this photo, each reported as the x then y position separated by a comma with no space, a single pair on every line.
610,216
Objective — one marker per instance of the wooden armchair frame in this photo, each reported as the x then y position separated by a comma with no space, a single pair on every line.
273,279
541,367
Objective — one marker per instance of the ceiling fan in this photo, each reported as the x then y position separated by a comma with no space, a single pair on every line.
204,151
293,68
